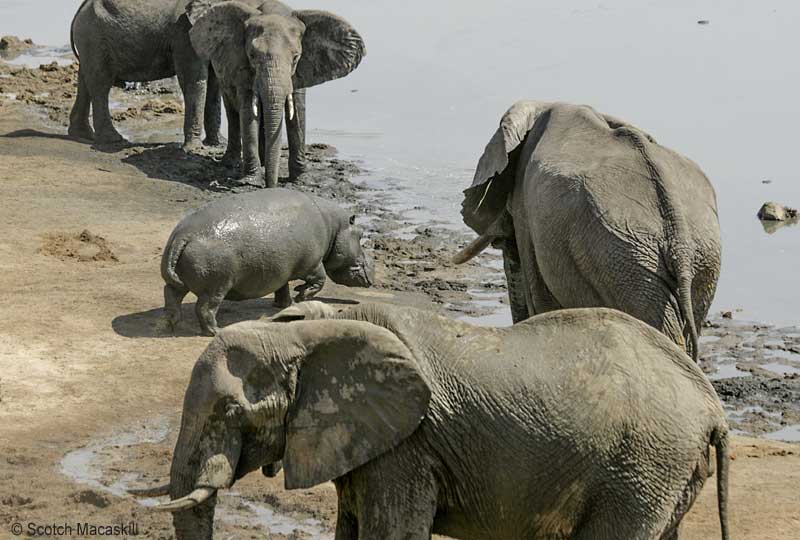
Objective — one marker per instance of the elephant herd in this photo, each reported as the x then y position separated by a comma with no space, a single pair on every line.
587,419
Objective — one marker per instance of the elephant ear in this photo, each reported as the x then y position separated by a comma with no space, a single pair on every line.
485,199
359,394
331,48
217,32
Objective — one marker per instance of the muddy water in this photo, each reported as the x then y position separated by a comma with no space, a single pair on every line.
101,465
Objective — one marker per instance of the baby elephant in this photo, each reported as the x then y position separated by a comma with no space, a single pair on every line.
252,244
584,424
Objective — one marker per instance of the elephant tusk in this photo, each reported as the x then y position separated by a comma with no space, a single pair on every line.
473,249
156,491
290,105
198,496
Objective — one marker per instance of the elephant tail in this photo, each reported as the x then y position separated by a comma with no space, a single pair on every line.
72,30
719,439
169,260
685,303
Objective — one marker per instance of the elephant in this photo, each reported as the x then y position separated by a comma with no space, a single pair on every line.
580,423
139,40
265,55
589,211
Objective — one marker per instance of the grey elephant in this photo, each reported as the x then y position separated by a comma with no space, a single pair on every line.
265,56
590,211
585,424
252,244
139,40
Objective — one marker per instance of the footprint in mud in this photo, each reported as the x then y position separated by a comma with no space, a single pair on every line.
82,247
107,466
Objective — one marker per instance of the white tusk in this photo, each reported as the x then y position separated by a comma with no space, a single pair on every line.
290,104
255,108
198,496
156,491
474,248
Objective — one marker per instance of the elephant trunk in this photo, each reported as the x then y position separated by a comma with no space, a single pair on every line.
195,523
275,91
204,461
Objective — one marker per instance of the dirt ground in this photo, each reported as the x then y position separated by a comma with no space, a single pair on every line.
91,381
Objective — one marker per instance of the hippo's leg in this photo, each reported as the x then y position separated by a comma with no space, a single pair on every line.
313,284
173,296
206,309
283,298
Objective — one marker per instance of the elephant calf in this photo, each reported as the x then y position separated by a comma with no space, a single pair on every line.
584,424
252,244
591,212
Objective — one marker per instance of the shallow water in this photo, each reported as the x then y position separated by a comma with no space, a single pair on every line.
91,465
438,76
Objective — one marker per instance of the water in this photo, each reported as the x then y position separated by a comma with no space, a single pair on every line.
438,76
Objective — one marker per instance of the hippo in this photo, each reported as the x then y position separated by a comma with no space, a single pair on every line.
249,245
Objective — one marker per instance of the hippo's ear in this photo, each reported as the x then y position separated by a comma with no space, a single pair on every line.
359,393
331,48
218,32
485,199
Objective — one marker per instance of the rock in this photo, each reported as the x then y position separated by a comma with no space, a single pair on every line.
703,21
13,43
772,211
100,500
727,314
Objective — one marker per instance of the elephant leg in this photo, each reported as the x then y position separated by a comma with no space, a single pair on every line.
296,133
248,124
346,527
173,296
515,280
233,152
192,76
104,131
283,297
206,309
539,297
79,126
313,284
674,534
212,114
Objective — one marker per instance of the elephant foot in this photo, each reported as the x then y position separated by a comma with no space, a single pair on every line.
296,174
283,298
255,179
216,141
231,160
110,138
192,147
81,133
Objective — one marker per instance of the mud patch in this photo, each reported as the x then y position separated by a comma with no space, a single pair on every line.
82,247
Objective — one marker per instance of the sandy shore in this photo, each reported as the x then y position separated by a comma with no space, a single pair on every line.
91,382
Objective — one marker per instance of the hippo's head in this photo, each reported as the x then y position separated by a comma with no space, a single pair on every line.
348,264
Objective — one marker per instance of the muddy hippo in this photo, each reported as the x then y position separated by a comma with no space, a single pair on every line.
252,244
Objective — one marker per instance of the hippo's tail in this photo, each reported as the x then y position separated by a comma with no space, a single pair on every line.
169,260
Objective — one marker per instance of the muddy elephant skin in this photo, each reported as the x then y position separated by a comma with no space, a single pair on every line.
252,244
591,212
120,41
581,424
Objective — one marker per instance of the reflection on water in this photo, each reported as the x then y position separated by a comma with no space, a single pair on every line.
438,76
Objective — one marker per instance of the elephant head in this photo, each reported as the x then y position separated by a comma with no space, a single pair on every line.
347,263
275,51
323,396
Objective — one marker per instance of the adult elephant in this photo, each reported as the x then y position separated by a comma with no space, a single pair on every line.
582,424
590,211
139,40
266,55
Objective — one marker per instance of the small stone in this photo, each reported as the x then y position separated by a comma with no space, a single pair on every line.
727,314
703,21
772,211
100,500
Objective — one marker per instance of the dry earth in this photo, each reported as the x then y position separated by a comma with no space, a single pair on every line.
91,382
